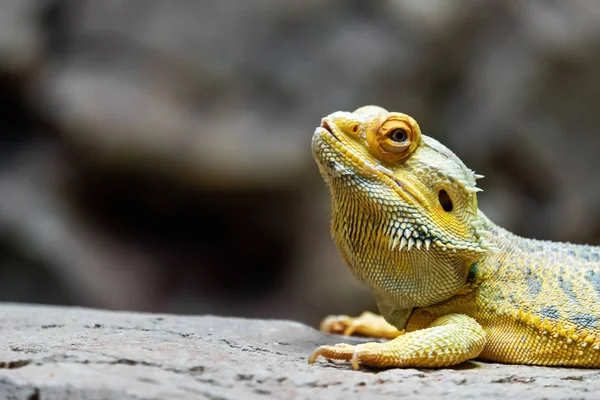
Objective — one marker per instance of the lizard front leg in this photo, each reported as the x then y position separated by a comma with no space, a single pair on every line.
449,340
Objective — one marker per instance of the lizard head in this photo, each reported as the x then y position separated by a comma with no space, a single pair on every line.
405,212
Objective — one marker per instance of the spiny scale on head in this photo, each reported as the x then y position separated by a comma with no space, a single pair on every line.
462,183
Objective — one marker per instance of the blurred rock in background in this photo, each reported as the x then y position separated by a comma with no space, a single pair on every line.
156,155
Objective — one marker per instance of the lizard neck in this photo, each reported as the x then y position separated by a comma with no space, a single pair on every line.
512,248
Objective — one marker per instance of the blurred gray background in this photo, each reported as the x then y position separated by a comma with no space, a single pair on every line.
155,155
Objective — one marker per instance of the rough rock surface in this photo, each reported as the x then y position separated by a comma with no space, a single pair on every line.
74,353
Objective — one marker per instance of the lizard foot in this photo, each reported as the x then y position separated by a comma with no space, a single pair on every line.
367,324
449,340
371,354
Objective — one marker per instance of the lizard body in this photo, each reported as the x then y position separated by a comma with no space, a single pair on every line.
406,220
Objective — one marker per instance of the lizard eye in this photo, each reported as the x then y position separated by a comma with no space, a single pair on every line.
398,135
396,138
445,200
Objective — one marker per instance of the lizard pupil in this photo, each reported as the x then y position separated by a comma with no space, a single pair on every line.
398,135
445,200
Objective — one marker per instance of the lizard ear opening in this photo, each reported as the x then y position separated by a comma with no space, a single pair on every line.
445,201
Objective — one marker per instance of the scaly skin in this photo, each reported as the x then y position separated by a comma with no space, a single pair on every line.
405,218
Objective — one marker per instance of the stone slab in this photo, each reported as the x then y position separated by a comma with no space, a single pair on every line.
75,353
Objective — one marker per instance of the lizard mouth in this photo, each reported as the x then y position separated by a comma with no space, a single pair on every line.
331,133
325,125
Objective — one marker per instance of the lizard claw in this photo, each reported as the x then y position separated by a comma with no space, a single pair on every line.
355,359
369,353
340,351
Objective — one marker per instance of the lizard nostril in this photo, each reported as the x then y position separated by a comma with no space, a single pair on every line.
326,126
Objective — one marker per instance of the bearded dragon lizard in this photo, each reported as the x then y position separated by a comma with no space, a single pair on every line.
450,284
